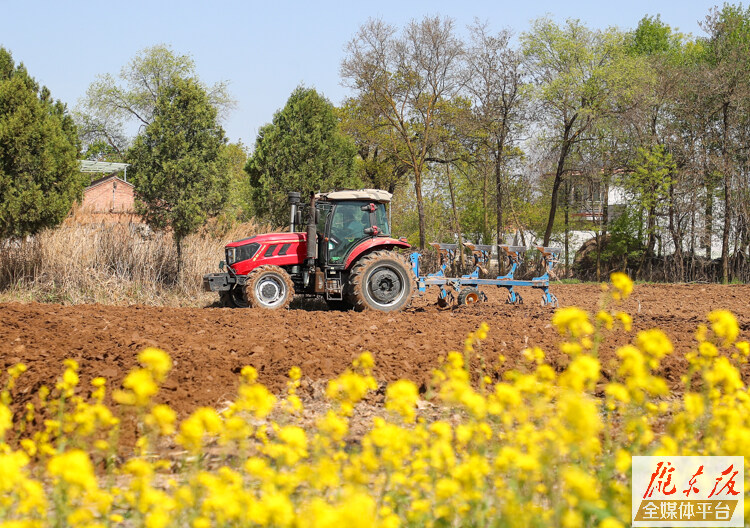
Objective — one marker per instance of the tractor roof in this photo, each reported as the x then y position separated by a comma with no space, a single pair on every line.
373,195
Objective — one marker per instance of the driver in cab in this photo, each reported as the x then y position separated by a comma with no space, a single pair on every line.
352,227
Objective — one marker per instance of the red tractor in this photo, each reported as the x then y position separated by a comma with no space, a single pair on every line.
346,255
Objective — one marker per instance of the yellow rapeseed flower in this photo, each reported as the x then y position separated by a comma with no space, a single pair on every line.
140,386
622,284
16,370
618,392
156,361
723,374
249,374
581,483
482,332
163,417
11,470
256,399
582,373
724,325
654,343
708,349
573,321
605,319
295,373
623,460
202,422
626,320
333,426
365,361
534,354
401,397
74,468
6,419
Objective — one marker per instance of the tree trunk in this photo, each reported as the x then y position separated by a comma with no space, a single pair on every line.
178,243
602,227
420,208
725,231
674,230
650,241
456,223
499,226
485,206
709,213
499,187
556,186
552,208
567,224
727,199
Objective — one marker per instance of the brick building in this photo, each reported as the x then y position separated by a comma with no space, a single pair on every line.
109,194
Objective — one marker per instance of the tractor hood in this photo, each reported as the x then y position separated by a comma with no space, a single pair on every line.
276,249
271,238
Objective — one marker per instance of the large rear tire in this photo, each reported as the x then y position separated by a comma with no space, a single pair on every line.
269,287
381,281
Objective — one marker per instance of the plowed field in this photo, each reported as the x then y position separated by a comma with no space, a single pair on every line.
209,346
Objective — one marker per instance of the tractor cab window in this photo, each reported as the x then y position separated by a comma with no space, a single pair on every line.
381,219
348,226
322,213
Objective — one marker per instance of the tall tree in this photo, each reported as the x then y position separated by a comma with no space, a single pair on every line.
576,72
39,175
180,175
652,129
649,182
496,87
110,105
401,79
728,57
302,149
377,166
235,156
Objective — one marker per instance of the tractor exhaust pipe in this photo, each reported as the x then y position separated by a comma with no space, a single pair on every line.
294,200
312,239
312,242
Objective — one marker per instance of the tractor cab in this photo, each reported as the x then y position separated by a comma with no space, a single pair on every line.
345,219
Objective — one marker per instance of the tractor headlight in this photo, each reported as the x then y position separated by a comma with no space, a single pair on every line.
240,253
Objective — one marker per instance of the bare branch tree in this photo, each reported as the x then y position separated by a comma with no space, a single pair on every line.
401,79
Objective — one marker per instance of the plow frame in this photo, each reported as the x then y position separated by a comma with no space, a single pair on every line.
481,255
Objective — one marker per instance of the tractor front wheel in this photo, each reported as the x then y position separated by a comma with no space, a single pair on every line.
381,281
234,298
269,287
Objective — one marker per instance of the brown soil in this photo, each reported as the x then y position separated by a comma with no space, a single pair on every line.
209,346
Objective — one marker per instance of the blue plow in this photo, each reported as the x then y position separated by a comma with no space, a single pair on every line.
467,288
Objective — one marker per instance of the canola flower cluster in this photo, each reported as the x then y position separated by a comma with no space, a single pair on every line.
539,447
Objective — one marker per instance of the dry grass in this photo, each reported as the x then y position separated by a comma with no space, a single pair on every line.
90,259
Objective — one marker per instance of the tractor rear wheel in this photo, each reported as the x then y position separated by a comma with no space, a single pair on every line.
269,287
381,281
